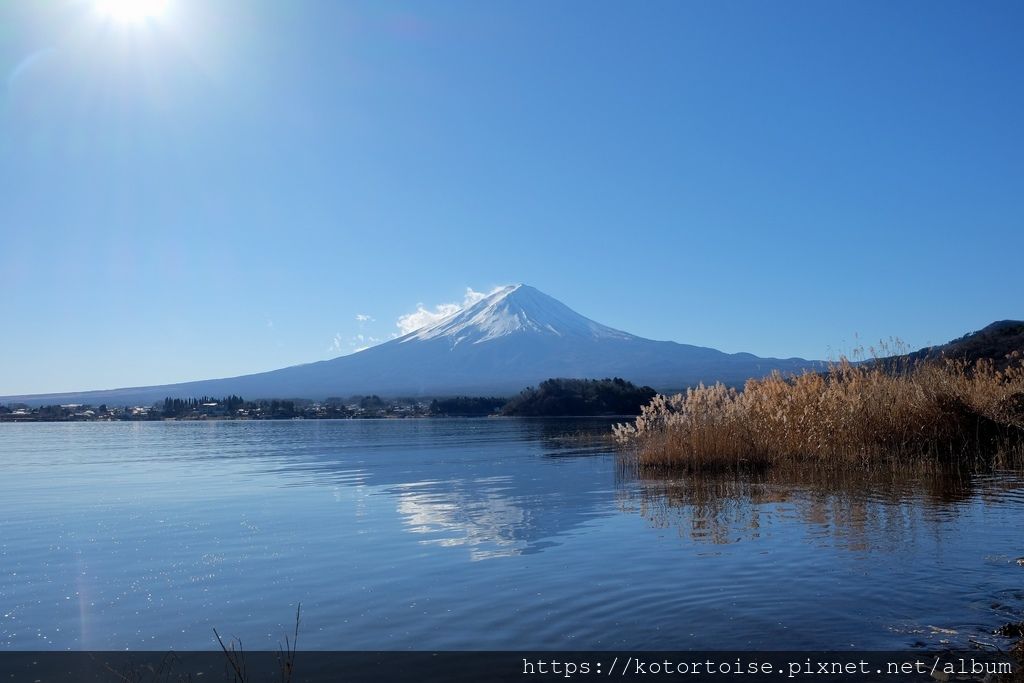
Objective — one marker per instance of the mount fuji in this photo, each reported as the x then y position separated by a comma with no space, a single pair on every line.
515,337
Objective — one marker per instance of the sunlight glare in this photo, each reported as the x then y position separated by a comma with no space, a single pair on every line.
131,11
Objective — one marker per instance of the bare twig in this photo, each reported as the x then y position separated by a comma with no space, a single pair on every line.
236,658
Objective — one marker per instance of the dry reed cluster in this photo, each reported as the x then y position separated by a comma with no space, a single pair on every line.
850,414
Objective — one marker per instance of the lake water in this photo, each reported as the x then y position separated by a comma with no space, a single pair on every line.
475,534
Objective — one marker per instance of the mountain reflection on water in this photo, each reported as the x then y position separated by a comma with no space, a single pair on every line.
469,483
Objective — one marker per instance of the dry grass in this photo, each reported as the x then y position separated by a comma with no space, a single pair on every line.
851,415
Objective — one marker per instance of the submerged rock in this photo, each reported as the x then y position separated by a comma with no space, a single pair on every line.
1011,630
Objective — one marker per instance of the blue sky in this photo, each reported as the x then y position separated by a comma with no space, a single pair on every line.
224,187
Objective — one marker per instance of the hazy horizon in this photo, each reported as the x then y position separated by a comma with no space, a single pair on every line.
195,190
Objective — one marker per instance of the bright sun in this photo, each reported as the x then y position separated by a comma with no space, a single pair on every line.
131,11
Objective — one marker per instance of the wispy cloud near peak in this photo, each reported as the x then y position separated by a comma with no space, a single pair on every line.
424,316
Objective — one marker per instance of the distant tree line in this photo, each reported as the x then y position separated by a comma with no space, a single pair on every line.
553,397
176,407
229,405
333,407
562,396
467,406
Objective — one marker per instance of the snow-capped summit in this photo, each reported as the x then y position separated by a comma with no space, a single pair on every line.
515,309
513,338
